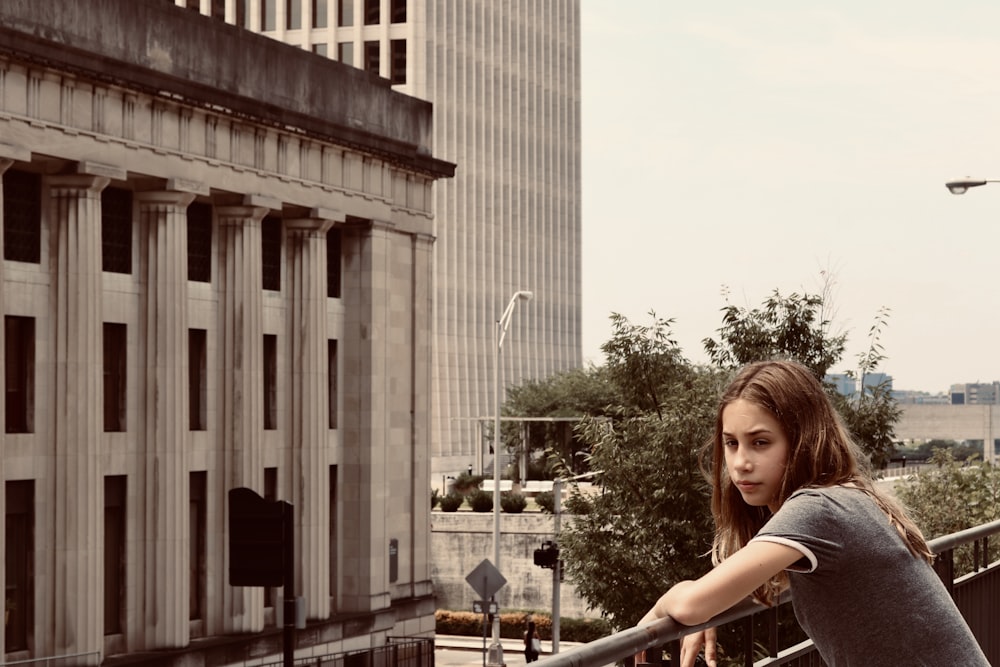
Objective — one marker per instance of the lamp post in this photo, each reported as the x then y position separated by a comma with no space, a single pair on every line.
496,650
960,186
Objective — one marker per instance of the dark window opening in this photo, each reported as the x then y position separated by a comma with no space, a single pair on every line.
372,57
19,563
333,537
397,57
19,374
115,364
199,237
198,532
243,13
270,255
114,553
270,382
271,495
197,379
398,11
331,381
219,9
116,230
267,14
22,216
333,264
372,12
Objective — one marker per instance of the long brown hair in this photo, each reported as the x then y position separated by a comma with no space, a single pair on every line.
821,453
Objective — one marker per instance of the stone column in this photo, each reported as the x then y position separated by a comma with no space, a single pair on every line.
242,362
309,418
364,491
164,342
78,602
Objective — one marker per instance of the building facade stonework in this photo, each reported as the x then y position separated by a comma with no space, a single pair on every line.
504,78
216,274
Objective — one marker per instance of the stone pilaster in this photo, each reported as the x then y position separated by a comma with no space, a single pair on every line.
242,363
309,419
164,335
364,489
78,605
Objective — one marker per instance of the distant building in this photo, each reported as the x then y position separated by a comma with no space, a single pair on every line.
847,385
216,273
975,393
911,397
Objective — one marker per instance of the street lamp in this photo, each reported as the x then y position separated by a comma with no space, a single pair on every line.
961,185
496,650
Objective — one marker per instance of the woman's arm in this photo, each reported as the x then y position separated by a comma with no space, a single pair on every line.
732,580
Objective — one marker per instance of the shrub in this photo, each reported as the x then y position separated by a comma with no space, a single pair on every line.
512,625
512,502
451,502
466,483
546,501
481,501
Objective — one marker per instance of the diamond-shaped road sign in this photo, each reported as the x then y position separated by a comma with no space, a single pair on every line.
486,579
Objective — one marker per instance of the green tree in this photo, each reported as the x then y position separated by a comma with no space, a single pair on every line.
794,327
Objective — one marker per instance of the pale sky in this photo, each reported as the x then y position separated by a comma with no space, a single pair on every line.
752,146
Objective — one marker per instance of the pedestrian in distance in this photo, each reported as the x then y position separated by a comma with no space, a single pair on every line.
532,644
794,509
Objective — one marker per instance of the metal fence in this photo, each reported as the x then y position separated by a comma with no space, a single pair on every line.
976,593
91,659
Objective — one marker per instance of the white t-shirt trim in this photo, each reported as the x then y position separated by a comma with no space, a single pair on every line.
805,551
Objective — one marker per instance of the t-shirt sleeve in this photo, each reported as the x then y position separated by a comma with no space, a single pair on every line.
806,523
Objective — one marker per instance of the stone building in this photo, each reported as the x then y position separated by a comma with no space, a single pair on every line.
216,274
504,78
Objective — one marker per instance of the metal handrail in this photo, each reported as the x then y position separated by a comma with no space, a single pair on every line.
56,659
660,632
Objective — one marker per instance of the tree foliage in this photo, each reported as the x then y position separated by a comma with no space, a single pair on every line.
646,416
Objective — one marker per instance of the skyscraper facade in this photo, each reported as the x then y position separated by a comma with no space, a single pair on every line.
504,79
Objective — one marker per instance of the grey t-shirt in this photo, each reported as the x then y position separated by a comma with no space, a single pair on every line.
859,593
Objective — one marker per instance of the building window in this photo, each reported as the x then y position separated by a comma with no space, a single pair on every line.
372,15
267,14
333,264
270,495
371,57
331,381
115,363
22,216
293,14
319,49
19,373
345,13
270,253
116,230
197,379
194,4
19,563
198,533
319,13
219,9
345,53
114,553
333,537
398,11
199,237
397,56
270,382
243,13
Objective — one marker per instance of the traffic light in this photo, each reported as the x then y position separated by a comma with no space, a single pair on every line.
548,555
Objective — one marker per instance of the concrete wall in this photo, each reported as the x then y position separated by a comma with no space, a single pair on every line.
461,540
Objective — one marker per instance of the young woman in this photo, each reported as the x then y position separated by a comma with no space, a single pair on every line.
793,508
532,644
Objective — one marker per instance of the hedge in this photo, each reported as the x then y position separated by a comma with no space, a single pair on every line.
513,624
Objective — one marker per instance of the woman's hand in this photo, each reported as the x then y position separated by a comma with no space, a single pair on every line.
692,644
